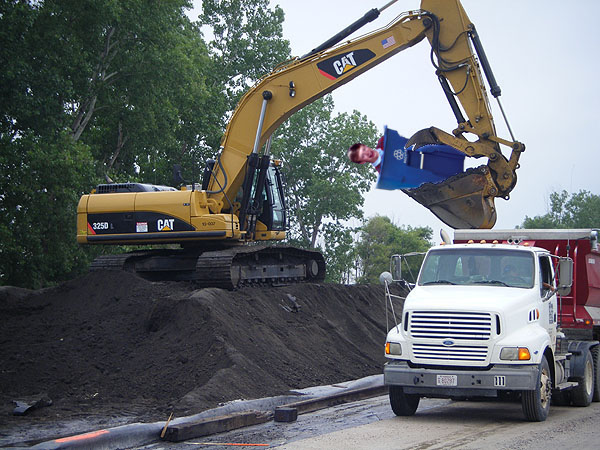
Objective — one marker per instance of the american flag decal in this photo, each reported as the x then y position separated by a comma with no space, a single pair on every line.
388,42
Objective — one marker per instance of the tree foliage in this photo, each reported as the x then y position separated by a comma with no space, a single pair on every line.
380,239
246,42
324,190
40,182
577,210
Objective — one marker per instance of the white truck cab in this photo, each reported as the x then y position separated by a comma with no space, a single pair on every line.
480,320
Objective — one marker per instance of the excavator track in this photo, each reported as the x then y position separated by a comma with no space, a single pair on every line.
228,269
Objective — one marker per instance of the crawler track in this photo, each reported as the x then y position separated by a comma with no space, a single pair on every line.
228,268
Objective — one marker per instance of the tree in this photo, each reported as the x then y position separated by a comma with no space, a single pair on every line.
322,185
90,87
380,239
126,89
324,190
40,183
130,79
340,252
247,42
578,210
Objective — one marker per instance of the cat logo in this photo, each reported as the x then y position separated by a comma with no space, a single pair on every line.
339,65
345,63
165,224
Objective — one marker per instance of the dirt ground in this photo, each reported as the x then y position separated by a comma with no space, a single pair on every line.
110,344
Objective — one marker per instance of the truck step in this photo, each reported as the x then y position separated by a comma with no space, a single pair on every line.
562,356
566,385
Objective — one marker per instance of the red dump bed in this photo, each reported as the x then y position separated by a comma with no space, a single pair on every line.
581,308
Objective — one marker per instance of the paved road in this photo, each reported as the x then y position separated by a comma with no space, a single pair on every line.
438,424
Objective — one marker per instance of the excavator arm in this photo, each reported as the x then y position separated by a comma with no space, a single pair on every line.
466,200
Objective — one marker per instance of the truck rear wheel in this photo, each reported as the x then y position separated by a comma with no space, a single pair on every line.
583,394
403,404
596,358
536,403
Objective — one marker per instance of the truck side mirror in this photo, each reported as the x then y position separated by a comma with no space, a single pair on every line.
565,276
396,267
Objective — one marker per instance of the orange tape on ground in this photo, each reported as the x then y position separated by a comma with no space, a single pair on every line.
81,437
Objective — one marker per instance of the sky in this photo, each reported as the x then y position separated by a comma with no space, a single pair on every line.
544,56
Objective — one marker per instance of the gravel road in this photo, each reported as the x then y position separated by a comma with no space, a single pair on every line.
438,424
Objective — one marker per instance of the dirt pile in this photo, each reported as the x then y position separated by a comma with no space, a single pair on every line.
113,344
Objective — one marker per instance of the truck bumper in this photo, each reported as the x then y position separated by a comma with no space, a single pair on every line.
459,383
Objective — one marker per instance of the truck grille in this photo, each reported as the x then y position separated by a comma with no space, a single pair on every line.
451,325
455,353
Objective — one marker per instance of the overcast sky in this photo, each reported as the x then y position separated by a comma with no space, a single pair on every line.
544,54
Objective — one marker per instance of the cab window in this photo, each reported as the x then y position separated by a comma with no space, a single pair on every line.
546,275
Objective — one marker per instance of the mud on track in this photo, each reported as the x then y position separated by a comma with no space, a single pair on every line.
111,344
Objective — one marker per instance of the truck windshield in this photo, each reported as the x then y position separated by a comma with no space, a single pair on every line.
478,266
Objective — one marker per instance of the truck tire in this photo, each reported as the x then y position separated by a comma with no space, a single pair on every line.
596,358
536,403
583,394
403,404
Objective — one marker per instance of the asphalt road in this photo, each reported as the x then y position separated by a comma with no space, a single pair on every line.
438,424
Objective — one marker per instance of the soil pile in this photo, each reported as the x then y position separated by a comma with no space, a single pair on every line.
113,344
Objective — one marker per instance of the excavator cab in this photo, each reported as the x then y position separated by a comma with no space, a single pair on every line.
271,214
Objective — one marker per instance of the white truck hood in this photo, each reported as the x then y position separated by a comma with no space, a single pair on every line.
468,298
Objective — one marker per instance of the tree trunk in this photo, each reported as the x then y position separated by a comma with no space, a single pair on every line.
100,76
120,143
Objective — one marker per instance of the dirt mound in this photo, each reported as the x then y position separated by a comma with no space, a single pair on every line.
113,344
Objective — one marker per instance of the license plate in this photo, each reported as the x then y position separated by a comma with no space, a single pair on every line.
447,380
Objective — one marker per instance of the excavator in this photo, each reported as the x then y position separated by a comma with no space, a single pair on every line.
221,226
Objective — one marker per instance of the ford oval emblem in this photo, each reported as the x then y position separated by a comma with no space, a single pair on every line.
448,342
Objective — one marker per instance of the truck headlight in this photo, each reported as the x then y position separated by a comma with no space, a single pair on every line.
515,354
393,348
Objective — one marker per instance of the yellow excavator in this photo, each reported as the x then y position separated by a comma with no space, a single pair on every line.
240,200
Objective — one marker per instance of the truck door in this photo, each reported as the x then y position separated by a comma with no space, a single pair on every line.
548,297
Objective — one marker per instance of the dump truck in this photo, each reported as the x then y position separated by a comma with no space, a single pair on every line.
501,313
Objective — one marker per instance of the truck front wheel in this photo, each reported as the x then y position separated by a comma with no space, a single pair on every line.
403,404
584,392
536,403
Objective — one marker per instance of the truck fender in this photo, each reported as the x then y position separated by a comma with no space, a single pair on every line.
549,354
578,350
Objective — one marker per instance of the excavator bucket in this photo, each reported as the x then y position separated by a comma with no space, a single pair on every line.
460,201
432,174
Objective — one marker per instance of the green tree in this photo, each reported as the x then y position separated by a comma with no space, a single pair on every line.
41,180
340,252
380,239
324,190
246,42
132,80
578,210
